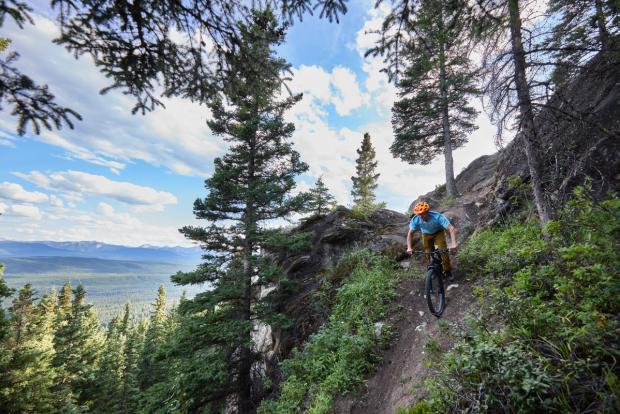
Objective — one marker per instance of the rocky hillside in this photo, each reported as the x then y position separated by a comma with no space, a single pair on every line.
333,235
579,134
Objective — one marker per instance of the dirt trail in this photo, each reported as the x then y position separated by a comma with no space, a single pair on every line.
396,383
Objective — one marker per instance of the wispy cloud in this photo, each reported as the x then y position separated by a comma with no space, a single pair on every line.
15,192
78,184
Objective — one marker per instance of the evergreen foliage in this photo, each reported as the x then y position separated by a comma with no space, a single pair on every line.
5,292
583,28
78,343
151,370
32,103
320,201
365,180
133,45
27,377
130,395
433,115
250,185
133,42
110,371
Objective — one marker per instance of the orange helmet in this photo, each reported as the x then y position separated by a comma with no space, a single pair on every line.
421,207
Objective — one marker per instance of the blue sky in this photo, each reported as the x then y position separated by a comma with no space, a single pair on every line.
131,179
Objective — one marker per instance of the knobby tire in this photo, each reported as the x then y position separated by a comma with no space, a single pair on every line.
431,299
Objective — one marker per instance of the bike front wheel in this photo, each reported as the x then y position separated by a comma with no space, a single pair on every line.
435,294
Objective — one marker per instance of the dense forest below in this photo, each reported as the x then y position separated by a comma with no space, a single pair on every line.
295,319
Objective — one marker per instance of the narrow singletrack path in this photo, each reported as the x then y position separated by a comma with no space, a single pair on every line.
397,381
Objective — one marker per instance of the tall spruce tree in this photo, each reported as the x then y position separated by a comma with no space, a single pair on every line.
5,329
320,200
5,292
365,180
433,115
26,382
77,344
110,370
152,370
252,183
134,345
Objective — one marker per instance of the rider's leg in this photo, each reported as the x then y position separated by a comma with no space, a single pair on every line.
440,241
428,242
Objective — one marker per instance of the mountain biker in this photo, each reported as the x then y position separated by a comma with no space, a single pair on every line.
432,225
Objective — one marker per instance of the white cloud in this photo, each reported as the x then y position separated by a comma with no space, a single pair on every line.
339,88
56,201
77,185
105,209
312,80
77,225
383,92
349,96
25,210
15,192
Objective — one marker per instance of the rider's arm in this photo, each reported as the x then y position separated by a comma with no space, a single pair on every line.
452,231
409,240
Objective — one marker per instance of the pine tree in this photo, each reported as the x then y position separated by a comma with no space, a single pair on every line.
63,310
365,181
77,343
164,361
152,370
5,292
134,344
109,374
320,200
433,115
26,382
252,183
5,333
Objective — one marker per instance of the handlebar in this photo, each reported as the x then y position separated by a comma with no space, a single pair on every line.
420,252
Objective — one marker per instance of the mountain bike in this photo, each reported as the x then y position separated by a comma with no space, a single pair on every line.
433,282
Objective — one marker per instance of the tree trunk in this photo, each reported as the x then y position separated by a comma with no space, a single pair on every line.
245,354
603,34
528,129
445,118
244,404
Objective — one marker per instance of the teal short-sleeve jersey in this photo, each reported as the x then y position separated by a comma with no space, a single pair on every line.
436,221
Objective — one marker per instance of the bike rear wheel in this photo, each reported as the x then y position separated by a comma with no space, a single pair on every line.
435,294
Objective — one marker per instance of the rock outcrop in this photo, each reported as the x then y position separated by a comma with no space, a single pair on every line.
333,235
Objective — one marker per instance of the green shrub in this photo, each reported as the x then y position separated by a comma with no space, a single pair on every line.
339,356
420,408
546,336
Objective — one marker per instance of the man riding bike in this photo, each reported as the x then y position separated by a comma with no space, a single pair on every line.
432,224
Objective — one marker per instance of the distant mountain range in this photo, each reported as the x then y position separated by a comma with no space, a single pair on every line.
97,250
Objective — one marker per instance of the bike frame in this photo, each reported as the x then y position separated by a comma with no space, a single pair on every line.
436,263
